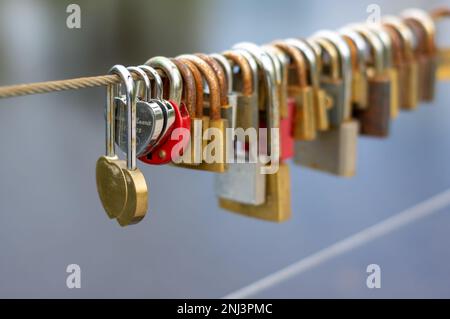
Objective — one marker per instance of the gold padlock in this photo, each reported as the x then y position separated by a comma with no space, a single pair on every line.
121,187
322,101
408,70
214,153
424,29
302,93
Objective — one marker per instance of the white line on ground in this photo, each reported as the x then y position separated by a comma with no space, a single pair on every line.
421,210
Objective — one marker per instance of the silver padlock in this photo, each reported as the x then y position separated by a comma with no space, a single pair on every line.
149,115
243,182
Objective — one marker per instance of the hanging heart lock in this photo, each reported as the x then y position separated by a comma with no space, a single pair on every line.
176,136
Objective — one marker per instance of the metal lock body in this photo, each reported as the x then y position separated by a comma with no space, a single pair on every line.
302,95
391,70
162,152
424,29
322,101
121,186
287,106
277,206
374,121
193,152
247,87
334,151
214,152
149,117
359,55
407,66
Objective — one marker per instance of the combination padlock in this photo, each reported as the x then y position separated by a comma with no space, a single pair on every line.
175,139
121,185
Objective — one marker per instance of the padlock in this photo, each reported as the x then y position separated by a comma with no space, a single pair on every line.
121,185
276,206
424,29
322,101
374,120
193,154
408,70
303,95
287,106
230,111
345,69
162,152
332,81
214,152
334,151
149,116
247,86
359,56
391,70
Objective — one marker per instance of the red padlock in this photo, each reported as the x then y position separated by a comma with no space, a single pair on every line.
178,134
287,132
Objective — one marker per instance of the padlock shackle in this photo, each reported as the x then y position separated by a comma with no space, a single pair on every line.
226,66
335,63
131,96
244,67
220,74
197,111
405,33
377,48
213,84
143,77
172,73
311,57
154,75
277,67
297,59
385,40
189,94
363,50
426,22
273,108
253,67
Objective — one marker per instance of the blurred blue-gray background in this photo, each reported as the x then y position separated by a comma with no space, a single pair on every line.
187,247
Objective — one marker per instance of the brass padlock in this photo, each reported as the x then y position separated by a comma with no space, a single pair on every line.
214,153
121,186
247,113
391,70
322,101
424,30
374,120
408,72
359,55
302,93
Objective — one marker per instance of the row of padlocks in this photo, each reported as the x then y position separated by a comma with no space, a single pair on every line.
306,99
